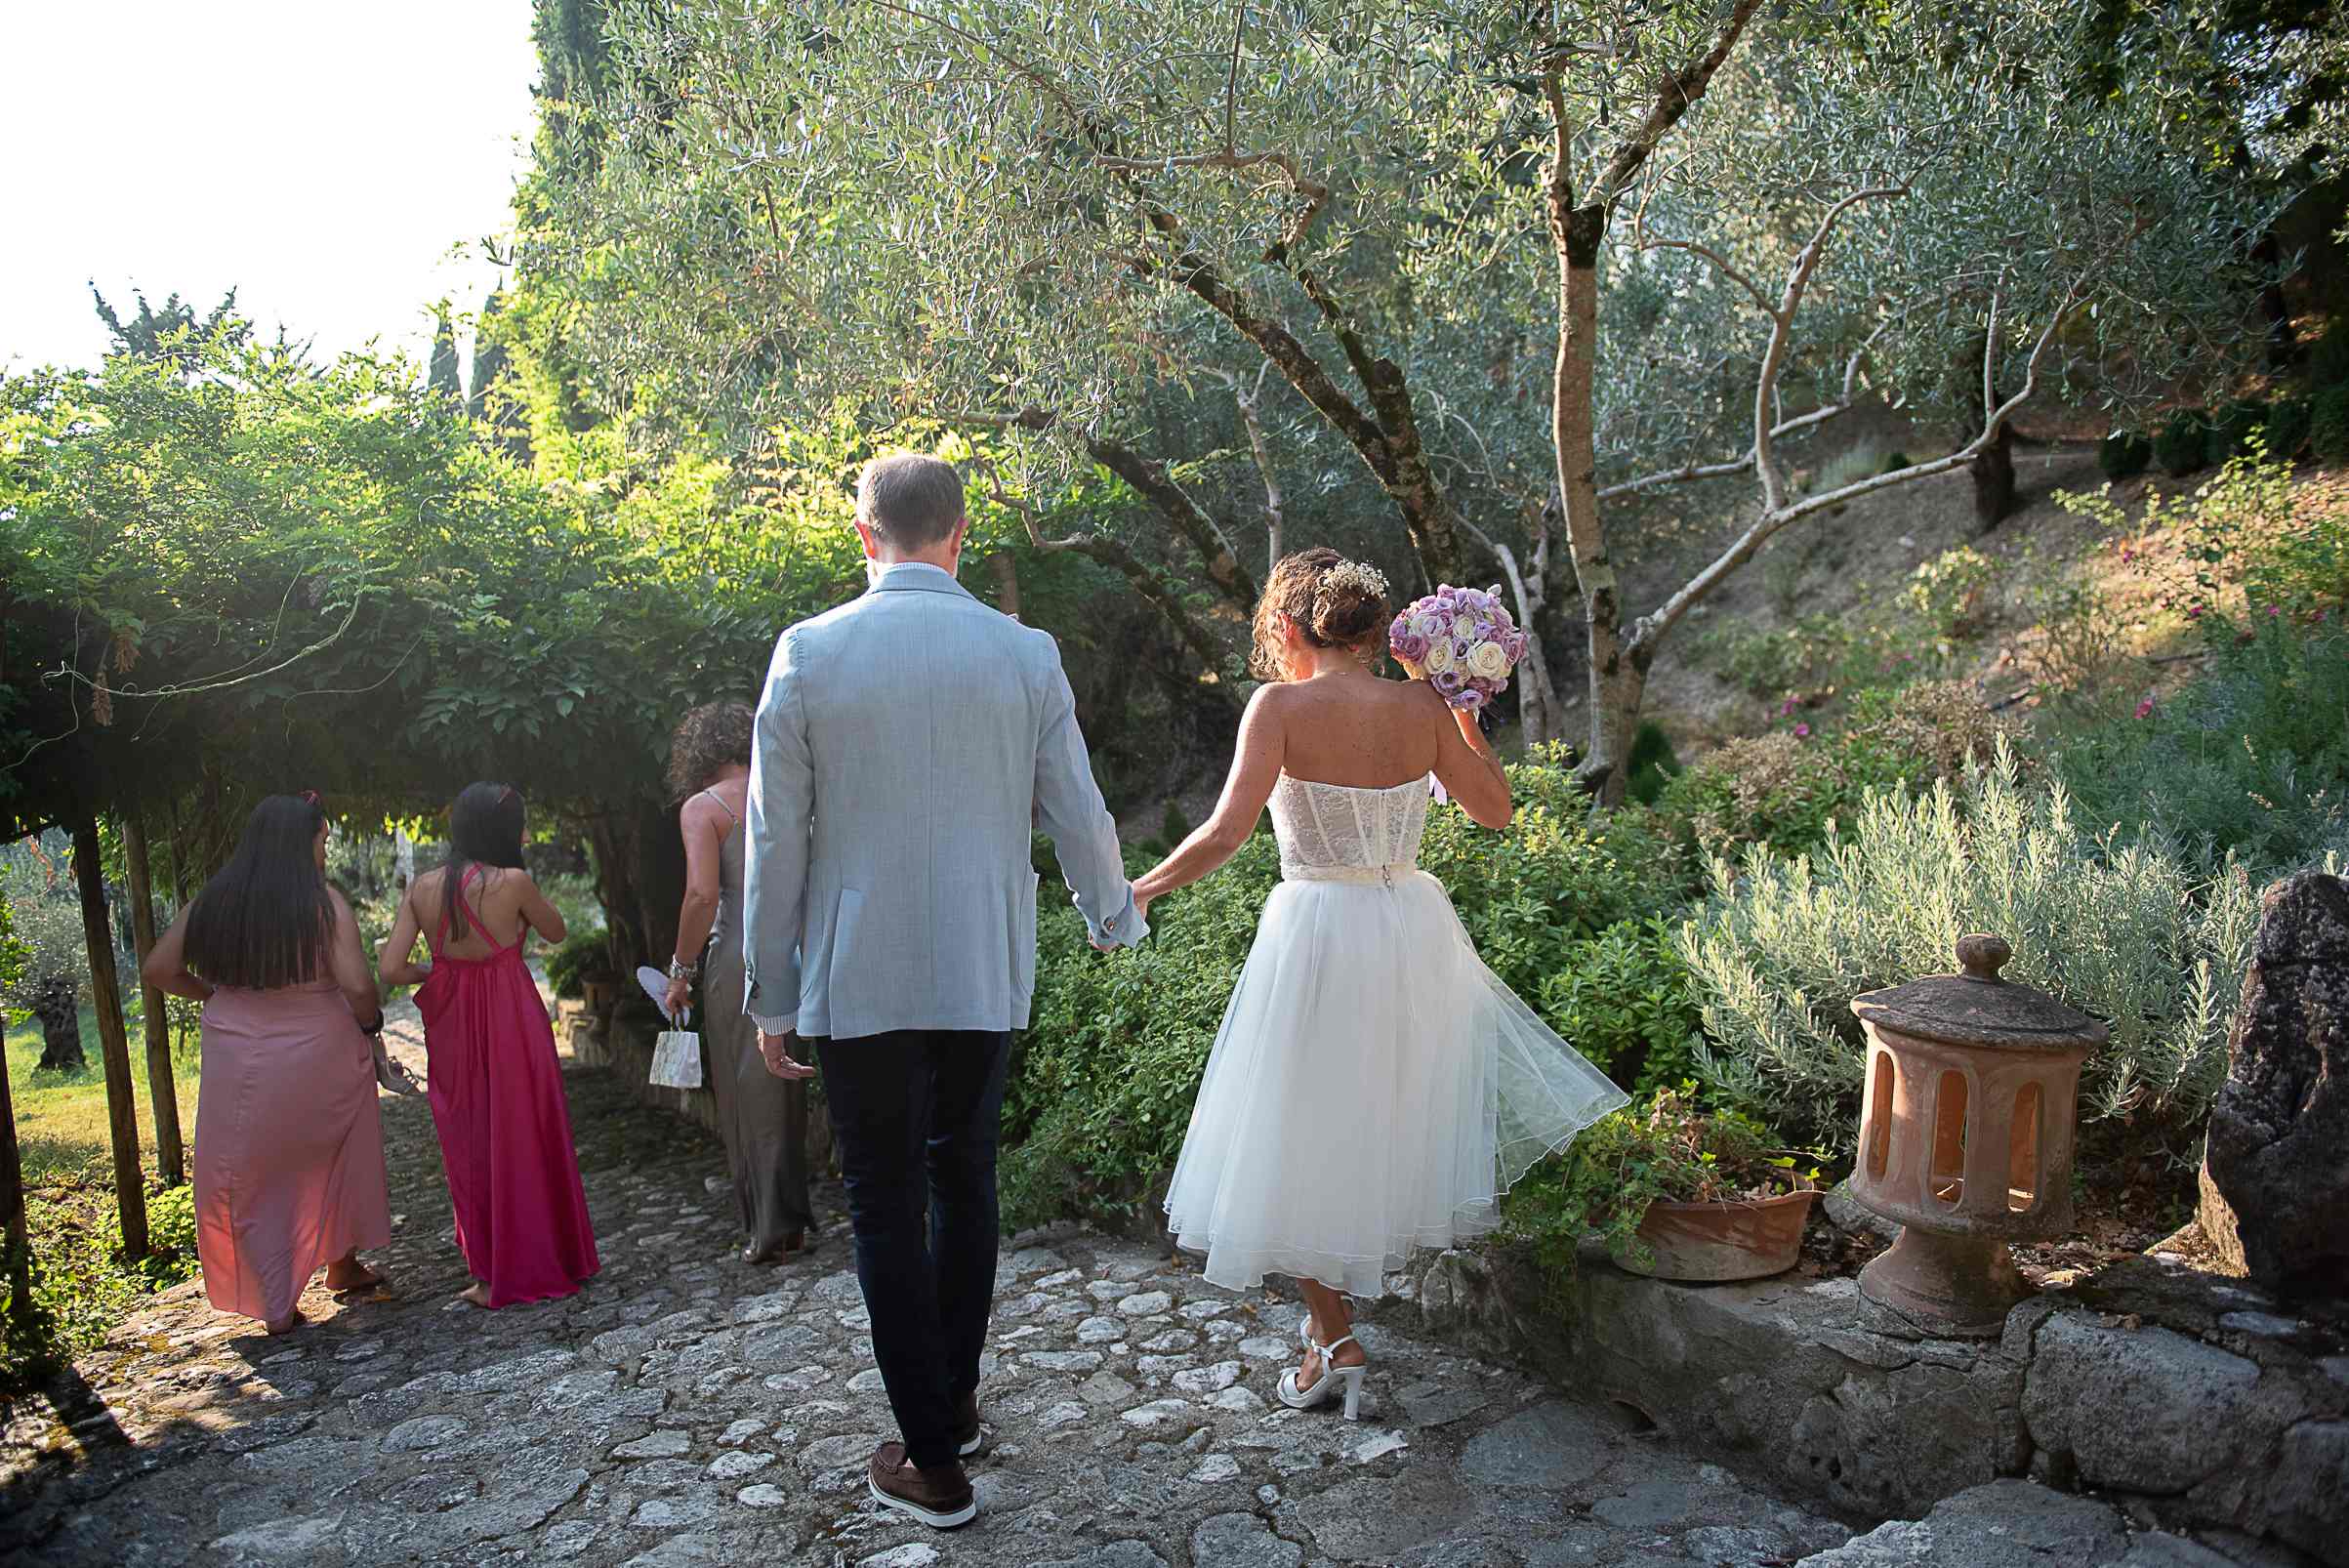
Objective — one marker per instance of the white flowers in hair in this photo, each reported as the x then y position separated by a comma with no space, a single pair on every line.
1353,574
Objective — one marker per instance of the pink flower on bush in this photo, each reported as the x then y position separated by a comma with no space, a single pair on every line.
1786,708
2194,612
1803,731
2145,709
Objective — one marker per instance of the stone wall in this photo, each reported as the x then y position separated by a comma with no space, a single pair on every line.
2189,1399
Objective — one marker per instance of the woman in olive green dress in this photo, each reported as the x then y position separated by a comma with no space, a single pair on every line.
762,1118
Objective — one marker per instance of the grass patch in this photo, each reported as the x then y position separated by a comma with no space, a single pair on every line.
61,1117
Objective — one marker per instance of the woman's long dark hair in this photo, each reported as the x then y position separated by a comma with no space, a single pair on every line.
264,920
484,829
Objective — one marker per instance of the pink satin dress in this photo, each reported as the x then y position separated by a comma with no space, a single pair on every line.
289,1146
496,1093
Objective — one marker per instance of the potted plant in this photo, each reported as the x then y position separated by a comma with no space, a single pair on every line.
1681,1193
582,967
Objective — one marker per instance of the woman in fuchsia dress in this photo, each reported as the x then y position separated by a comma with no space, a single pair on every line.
493,1079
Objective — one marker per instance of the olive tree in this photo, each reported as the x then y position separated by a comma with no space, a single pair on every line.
1028,220
1906,201
1717,226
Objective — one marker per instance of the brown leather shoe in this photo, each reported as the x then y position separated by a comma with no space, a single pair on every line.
969,1438
939,1496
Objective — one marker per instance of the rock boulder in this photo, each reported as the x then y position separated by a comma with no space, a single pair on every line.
2276,1186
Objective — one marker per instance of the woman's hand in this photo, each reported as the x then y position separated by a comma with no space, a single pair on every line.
675,997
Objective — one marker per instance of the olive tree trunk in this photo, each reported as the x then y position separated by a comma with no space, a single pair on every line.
57,1005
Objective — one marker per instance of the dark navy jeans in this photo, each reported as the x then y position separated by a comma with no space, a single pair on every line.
916,1115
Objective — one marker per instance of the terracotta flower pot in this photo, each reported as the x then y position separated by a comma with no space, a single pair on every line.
1713,1242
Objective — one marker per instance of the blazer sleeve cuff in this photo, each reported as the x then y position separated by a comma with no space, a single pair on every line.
776,1026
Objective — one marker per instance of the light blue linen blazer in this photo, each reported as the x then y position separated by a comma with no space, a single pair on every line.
909,743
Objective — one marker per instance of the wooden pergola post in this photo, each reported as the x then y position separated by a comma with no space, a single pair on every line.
162,1086
15,1239
106,994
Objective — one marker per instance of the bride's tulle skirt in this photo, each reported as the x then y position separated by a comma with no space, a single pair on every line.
1374,1088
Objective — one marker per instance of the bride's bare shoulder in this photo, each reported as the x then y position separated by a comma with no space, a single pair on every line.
1421,698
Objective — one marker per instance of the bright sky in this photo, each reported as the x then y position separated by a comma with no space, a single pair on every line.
337,164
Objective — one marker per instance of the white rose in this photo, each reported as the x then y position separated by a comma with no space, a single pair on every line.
1489,661
1439,656
1425,626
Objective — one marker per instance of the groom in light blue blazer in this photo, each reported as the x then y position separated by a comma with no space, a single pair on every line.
908,744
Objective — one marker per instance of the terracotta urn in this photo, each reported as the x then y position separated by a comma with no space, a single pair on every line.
1966,1135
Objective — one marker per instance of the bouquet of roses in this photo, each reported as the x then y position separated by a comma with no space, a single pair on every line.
1462,641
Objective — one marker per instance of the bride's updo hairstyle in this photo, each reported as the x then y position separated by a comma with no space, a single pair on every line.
1335,604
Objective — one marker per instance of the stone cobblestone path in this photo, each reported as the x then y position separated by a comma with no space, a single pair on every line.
688,1410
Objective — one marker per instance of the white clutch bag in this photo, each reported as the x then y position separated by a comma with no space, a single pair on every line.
677,1053
676,1058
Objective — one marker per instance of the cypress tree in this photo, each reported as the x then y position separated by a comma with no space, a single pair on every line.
442,377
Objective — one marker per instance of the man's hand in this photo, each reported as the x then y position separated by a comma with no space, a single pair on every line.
775,1052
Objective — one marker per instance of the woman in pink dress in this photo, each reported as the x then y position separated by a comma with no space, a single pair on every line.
289,1147
495,1086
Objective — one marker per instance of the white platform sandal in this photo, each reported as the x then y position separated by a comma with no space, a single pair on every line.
1325,1387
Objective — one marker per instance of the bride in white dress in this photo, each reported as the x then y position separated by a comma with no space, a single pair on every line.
1375,1088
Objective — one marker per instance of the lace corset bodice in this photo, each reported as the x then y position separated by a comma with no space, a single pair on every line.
1337,827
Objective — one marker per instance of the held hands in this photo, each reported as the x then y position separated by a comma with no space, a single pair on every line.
1141,915
775,1052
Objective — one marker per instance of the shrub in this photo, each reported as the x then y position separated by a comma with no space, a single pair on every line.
2124,455
1652,763
2132,931
82,1285
1101,1082
1788,792
2182,444
12,951
2231,428
2287,426
1103,1078
2329,359
1948,592
2231,517
1624,999
1769,664
2329,425
2251,757
1863,459
2302,571
583,954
